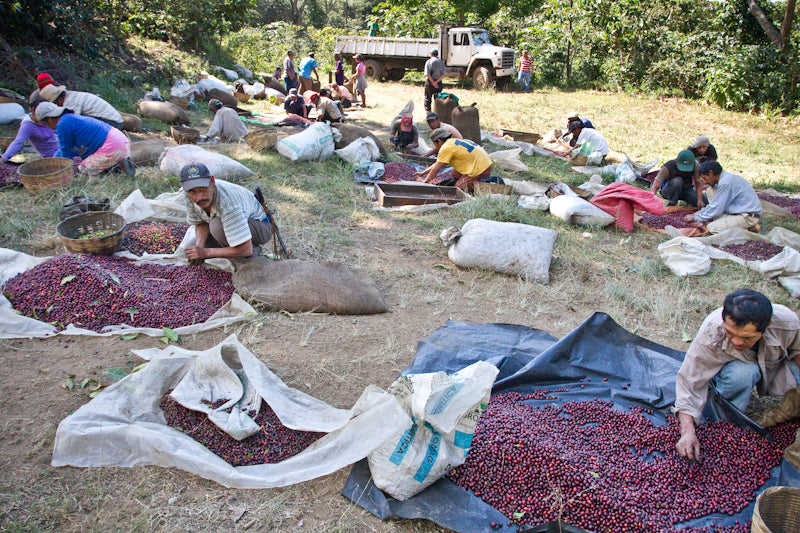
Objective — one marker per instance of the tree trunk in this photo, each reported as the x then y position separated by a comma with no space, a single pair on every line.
569,44
786,27
766,24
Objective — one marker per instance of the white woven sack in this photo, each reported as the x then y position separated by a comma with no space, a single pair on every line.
506,247
576,210
221,166
315,143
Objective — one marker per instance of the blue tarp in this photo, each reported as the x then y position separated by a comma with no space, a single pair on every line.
531,359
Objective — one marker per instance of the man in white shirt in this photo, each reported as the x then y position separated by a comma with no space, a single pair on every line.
583,134
82,103
226,125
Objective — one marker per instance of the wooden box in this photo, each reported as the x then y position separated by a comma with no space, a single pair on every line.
418,159
393,194
523,136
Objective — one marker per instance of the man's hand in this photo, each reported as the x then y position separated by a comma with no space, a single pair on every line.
689,447
197,254
689,218
700,203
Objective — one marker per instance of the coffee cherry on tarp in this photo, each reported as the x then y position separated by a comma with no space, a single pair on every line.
611,470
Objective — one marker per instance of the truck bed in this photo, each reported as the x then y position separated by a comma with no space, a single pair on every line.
396,47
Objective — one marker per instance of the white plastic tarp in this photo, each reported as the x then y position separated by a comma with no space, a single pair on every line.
14,326
124,425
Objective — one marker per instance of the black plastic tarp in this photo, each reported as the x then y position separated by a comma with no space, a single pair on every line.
639,373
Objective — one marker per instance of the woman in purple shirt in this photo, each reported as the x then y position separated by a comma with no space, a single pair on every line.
43,139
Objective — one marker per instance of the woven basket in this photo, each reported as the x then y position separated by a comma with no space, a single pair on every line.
184,135
70,229
261,139
179,101
242,97
777,511
7,100
5,142
47,173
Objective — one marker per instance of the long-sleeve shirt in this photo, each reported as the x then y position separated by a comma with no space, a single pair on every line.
233,205
734,196
711,350
90,105
326,105
40,136
227,125
295,106
435,68
80,136
593,136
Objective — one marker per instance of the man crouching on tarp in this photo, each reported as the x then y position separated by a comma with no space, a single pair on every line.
748,342
227,218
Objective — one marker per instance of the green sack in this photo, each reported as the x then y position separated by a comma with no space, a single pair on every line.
586,148
445,95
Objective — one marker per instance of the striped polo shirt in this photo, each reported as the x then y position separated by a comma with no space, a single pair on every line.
525,64
233,205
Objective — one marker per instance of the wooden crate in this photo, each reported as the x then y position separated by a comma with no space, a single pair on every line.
418,159
486,189
523,136
394,194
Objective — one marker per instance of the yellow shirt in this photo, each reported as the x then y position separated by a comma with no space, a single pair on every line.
465,156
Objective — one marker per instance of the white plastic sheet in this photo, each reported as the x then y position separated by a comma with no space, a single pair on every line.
508,160
526,148
124,426
14,326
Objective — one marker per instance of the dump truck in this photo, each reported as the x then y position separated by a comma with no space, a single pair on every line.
467,52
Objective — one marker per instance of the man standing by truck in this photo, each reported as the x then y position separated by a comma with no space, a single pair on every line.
434,73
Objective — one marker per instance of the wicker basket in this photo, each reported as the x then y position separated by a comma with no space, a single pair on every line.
70,230
179,101
487,189
777,511
47,173
261,139
7,100
242,97
5,142
184,135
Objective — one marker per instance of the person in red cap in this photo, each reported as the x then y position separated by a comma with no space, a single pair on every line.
42,80
405,135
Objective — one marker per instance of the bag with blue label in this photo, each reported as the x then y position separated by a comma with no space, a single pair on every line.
444,409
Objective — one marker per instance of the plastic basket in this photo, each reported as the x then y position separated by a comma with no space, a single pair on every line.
184,135
70,230
242,97
179,101
47,173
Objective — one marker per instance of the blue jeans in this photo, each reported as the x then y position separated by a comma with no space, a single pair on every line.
524,80
737,378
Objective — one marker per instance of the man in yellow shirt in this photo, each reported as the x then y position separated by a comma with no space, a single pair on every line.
470,162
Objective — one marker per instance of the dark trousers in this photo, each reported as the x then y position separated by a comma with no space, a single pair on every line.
678,189
430,92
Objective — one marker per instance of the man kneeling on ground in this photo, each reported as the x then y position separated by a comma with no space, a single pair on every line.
679,179
227,218
226,125
732,201
748,342
470,162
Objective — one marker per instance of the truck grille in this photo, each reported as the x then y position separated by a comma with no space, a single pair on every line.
508,60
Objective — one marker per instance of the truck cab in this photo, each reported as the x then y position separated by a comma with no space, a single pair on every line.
468,52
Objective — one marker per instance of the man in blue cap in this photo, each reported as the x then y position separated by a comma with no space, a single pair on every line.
227,218
679,180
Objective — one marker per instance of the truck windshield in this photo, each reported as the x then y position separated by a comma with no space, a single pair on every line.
480,37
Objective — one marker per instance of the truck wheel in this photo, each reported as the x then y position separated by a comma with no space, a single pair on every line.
395,74
482,78
374,70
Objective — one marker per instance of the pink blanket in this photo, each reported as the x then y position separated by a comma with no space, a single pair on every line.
620,199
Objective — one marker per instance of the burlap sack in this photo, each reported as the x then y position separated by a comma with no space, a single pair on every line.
444,108
350,133
298,286
226,98
146,153
166,112
467,121
131,122
787,409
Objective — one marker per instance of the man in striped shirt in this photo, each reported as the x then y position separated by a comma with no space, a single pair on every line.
524,77
227,218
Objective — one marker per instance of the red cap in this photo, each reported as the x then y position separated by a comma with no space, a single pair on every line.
44,79
406,123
